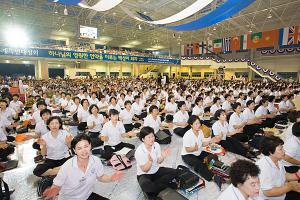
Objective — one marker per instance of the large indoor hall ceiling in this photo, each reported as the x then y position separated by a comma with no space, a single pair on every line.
47,20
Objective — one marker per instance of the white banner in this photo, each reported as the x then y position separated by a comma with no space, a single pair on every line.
102,5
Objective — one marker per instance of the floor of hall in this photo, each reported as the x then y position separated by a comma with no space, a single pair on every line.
24,182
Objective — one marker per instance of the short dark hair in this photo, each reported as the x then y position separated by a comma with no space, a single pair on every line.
269,143
271,98
226,96
113,112
170,97
111,98
93,106
293,115
216,99
296,129
127,102
180,104
218,113
192,119
151,108
83,100
198,99
15,95
55,118
45,111
241,169
146,130
235,105
79,138
249,102
136,97
40,103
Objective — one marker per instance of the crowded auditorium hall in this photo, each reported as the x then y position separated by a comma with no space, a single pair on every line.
149,100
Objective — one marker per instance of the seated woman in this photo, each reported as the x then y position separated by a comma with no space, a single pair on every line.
192,150
268,120
244,182
55,146
292,150
221,129
88,170
127,115
83,114
151,177
198,109
180,120
170,109
103,105
5,149
293,116
216,105
275,182
111,134
94,123
113,105
153,120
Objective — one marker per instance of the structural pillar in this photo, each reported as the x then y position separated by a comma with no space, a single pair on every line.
41,70
107,69
121,70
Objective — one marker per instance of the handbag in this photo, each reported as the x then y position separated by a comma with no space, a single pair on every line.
186,178
162,137
170,194
4,194
119,162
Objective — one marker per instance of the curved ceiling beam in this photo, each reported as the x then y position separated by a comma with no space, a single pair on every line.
102,5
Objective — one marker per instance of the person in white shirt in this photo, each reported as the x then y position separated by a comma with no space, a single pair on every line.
5,149
221,129
74,108
113,105
151,177
250,96
83,114
153,120
81,94
36,117
258,97
170,109
77,177
226,105
242,100
268,120
95,122
121,101
244,182
129,96
66,104
93,99
283,108
216,105
188,103
103,105
111,134
276,183
293,116
208,101
17,105
180,120
198,109
138,107
55,146
126,117
192,150
292,150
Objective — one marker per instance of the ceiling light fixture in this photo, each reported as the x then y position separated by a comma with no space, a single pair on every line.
140,27
66,11
214,28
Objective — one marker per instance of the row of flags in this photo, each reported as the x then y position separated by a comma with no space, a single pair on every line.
284,37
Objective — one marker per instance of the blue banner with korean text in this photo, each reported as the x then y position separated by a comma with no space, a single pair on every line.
50,53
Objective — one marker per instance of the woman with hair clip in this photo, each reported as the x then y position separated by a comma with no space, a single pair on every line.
192,150
55,146
221,129
151,177
87,168
127,115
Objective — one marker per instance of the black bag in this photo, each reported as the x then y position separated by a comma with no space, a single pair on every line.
22,130
170,194
255,142
186,178
4,194
162,138
43,184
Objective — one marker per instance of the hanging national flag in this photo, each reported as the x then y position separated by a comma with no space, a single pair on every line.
244,39
226,44
235,43
203,48
189,50
210,48
289,36
263,39
217,46
196,48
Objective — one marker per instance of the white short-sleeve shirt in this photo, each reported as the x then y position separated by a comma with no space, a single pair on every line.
37,117
41,128
83,115
16,106
226,105
137,108
257,99
199,111
214,108
248,114
93,101
171,107
113,133
141,157
270,176
233,193
102,106
271,107
292,149
282,105
116,107
126,116
3,123
98,122
57,148
234,120
80,186
189,140
261,110
219,128
154,123
180,117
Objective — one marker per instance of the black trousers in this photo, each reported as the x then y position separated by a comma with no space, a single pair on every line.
292,195
109,150
240,137
181,131
48,164
95,139
130,127
82,126
152,184
234,146
6,152
36,146
251,130
197,162
95,196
